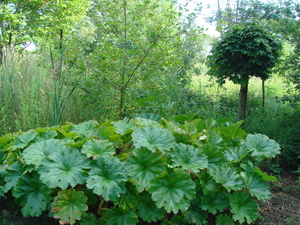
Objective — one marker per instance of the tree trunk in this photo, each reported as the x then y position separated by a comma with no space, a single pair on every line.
242,101
263,94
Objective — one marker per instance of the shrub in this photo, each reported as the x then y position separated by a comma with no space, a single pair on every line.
138,171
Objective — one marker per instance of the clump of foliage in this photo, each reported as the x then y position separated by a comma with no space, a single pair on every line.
244,51
138,170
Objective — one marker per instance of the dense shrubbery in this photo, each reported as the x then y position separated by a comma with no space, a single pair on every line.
184,171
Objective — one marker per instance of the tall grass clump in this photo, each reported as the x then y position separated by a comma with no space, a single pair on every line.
23,93
281,122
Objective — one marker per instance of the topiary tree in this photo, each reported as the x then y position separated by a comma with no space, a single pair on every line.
244,51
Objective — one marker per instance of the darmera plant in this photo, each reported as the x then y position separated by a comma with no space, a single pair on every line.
135,171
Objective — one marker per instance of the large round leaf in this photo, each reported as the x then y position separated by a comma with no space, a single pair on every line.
173,190
153,138
143,166
188,157
260,145
32,195
64,168
40,150
69,205
97,148
107,178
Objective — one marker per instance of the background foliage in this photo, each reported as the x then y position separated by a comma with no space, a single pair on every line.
105,60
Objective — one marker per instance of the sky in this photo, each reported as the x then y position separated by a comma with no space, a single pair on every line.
207,7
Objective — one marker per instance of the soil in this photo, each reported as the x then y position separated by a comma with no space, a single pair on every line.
282,209
284,206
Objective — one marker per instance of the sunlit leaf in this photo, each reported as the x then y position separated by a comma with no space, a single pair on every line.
69,205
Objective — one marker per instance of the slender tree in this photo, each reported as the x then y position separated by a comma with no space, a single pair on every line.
242,52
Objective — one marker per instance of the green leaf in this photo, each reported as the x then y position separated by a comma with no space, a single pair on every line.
224,220
214,155
34,153
264,176
215,203
215,140
207,124
190,127
117,216
147,209
233,130
107,178
85,129
150,116
227,176
32,194
89,219
44,134
208,184
97,148
64,168
23,140
235,155
243,207
108,132
142,122
173,190
124,126
130,198
183,118
13,174
143,166
195,215
188,157
261,145
256,185
153,138
69,205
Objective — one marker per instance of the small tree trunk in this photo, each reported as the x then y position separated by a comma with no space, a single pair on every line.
242,101
263,94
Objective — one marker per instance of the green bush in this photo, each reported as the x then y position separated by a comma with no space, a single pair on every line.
185,171
281,122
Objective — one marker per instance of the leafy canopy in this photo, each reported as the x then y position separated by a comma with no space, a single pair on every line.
243,51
